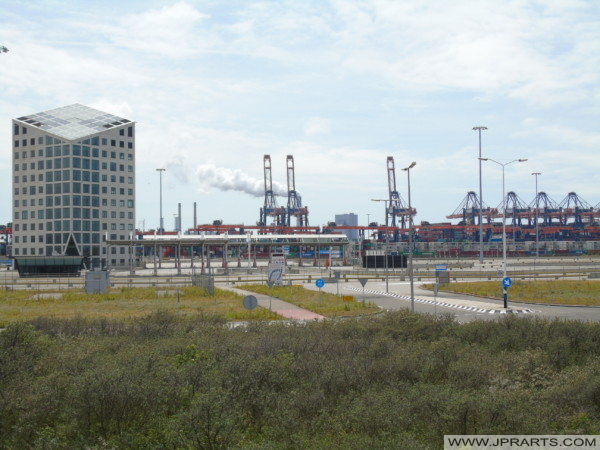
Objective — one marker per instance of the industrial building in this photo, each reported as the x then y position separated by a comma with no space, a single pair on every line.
73,187
348,220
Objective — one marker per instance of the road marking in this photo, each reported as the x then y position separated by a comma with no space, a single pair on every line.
448,305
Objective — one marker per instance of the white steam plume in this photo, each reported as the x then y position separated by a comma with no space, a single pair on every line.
210,176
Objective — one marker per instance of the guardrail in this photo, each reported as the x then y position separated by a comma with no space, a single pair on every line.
423,272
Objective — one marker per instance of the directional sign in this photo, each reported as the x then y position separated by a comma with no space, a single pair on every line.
507,282
363,281
250,302
320,283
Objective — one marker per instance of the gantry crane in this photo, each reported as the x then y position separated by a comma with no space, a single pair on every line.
294,204
270,208
573,206
396,207
468,210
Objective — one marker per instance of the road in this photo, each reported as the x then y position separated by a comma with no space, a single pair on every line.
465,308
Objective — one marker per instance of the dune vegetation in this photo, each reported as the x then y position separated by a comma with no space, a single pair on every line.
563,292
393,380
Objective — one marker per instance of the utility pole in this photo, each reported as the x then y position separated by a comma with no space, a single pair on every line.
410,241
479,129
161,227
537,207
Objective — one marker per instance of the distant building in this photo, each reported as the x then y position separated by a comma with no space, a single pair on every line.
73,185
350,220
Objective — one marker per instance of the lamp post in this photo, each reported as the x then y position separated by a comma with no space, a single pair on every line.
503,219
479,129
410,242
537,207
160,227
386,242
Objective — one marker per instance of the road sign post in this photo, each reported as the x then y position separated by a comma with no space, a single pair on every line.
506,283
270,283
363,281
320,283
250,302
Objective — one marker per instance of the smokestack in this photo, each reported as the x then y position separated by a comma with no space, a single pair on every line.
195,221
179,214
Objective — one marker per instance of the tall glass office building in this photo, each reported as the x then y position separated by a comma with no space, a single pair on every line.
73,185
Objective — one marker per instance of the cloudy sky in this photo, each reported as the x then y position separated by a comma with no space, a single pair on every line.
339,84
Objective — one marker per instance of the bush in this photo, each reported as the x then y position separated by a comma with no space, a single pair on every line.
397,380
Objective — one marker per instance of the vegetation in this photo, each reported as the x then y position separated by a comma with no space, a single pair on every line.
124,303
329,305
564,292
395,380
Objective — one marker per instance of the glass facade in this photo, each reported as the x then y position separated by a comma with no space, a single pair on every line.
69,182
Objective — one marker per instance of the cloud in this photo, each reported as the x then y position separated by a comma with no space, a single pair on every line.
517,49
170,32
317,125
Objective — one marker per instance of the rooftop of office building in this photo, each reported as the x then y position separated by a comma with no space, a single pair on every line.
74,121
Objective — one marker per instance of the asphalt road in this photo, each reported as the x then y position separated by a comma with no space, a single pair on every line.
464,307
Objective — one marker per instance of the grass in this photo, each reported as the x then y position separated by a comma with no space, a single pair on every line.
329,305
563,292
124,303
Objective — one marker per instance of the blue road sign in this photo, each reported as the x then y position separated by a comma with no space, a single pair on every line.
507,282
320,283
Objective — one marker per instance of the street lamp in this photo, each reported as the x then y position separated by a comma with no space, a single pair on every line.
479,129
385,256
537,207
161,227
410,242
504,219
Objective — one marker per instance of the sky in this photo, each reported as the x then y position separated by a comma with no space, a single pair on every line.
341,85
